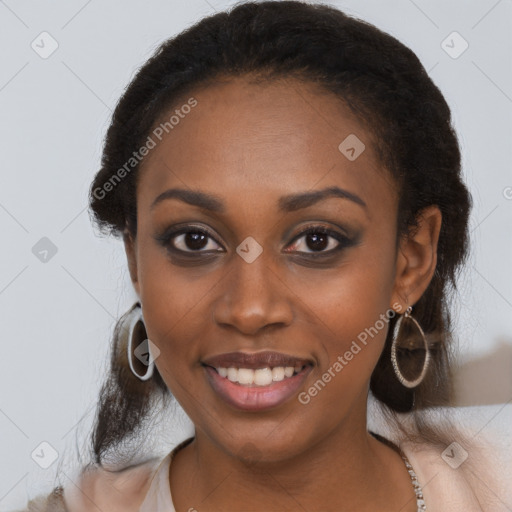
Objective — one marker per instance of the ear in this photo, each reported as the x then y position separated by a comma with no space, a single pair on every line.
130,247
417,259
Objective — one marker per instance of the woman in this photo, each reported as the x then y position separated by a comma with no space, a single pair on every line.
287,184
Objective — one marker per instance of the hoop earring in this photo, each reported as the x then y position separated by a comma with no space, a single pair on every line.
405,382
143,349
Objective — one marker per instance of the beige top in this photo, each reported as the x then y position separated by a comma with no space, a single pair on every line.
444,488
452,479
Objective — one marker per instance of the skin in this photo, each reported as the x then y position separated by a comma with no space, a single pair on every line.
249,144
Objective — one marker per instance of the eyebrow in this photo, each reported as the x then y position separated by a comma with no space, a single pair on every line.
287,203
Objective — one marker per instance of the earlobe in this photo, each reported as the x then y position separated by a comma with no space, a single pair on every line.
417,258
130,246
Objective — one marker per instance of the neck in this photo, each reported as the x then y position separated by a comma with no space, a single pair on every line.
346,470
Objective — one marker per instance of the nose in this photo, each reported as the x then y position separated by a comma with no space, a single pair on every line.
252,297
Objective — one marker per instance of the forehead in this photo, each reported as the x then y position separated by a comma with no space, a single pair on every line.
252,143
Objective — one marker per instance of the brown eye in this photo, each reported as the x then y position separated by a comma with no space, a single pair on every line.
319,240
189,240
192,240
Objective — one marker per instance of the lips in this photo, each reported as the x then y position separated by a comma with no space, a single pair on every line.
266,359
261,392
256,398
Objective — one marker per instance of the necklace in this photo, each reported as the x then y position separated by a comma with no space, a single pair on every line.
420,500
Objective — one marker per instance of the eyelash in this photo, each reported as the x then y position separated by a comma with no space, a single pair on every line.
343,241
167,237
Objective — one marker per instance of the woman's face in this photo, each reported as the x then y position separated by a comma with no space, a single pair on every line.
245,280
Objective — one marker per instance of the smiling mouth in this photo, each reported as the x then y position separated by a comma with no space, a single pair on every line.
256,381
257,389
258,377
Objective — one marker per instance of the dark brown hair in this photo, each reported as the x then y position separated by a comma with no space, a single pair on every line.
386,87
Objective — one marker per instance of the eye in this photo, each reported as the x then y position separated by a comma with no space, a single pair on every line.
312,241
189,239
319,240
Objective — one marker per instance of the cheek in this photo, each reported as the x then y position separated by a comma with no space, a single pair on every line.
354,310
177,305
352,304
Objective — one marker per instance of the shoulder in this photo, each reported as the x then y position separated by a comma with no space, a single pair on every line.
99,489
96,488
53,502
102,489
471,471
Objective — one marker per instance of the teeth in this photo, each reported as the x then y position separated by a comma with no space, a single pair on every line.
259,377
233,374
262,377
278,373
245,376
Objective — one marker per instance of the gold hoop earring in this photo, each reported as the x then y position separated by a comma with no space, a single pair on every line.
405,382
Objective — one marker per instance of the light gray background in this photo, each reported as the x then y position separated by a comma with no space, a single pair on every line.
57,317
